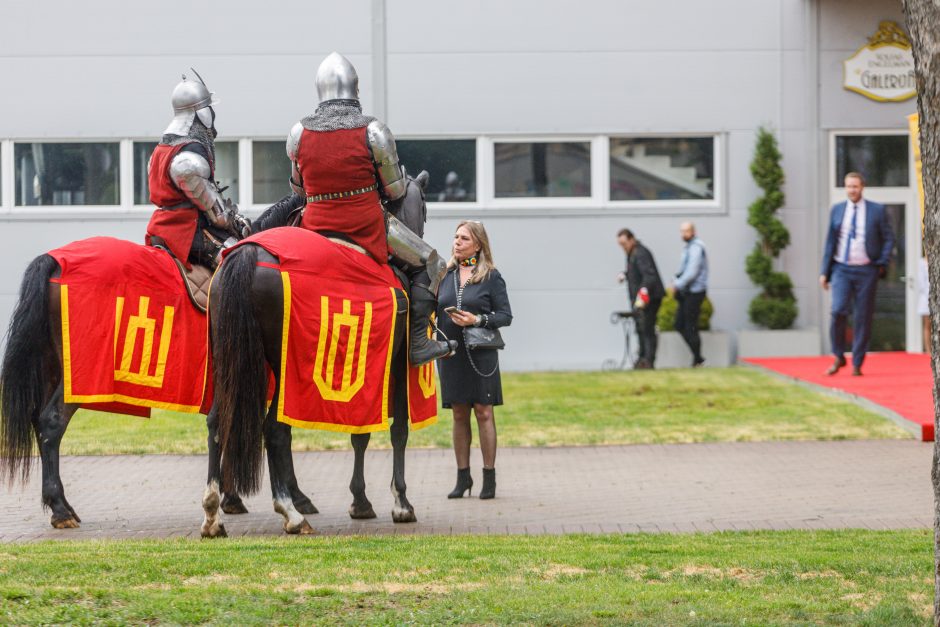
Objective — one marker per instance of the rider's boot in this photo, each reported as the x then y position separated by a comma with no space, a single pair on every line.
421,304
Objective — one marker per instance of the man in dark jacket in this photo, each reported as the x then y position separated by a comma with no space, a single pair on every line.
859,243
646,293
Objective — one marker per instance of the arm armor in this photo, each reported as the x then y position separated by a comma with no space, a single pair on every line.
293,148
414,252
385,158
192,175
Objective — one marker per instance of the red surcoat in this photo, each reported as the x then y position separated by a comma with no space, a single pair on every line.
176,226
340,161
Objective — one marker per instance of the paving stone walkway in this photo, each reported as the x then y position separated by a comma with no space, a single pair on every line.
645,488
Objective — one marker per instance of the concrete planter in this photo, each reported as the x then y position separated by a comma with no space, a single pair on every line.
786,343
674,353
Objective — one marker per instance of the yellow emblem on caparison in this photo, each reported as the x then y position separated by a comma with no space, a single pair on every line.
426,379
135,324
323,377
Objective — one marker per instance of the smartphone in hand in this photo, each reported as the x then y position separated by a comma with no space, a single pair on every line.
450,310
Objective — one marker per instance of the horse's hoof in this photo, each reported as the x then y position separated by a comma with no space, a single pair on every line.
306,507
233,505
400,515
361,514
303,529
234,508
65,523
214,531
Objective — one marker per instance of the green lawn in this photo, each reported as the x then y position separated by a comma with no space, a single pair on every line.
565,408
765,578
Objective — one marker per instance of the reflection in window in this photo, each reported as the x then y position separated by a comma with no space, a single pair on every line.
542,169
67,174
881,159
226,169
271,171
662,168
142,152
452,164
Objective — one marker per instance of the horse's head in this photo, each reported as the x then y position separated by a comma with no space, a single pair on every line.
413,210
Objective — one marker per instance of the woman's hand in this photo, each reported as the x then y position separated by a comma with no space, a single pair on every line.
463,318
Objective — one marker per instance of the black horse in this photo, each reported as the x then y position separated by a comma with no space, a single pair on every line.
245,316
32,403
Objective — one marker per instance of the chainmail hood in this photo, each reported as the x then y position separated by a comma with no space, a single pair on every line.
199,133
334,115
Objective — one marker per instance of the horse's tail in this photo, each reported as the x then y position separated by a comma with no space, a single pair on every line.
27,368
240,373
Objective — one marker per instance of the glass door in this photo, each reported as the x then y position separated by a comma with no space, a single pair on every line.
882,157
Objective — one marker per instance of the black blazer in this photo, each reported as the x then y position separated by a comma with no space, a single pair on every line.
642,272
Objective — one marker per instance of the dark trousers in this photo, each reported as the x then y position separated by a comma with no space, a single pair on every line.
853,290
646,330
690,306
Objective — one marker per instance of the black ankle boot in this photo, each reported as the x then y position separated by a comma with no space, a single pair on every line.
422,348
464,484
489,483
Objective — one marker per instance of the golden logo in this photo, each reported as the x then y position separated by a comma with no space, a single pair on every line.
135,324
426,379
349,385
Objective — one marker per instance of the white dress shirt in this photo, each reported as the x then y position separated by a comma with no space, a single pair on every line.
857,255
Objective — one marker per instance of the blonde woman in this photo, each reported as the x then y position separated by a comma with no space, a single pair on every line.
472,294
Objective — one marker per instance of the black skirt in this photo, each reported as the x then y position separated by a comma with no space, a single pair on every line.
460,383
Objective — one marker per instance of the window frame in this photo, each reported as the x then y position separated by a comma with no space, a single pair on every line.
148,208
9,172
486,204
445,206
528,204
715,204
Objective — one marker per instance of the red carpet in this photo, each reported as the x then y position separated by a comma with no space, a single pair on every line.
902,382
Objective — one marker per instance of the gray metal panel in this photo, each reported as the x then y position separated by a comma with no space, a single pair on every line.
261,95
585,92
429,26
184,29
845,26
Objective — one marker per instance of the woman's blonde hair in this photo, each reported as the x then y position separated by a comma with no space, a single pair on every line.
485,263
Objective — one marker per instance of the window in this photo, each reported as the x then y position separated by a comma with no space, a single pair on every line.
662,168
142,152
542,169
452,164
67,173
226,169
881,159
271,169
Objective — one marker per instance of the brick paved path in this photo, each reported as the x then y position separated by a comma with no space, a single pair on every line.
658,488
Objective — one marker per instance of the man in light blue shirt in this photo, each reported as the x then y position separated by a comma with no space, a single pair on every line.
689,290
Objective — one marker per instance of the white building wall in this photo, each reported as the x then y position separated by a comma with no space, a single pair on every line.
485,69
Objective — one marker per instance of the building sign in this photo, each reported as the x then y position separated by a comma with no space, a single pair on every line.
884,69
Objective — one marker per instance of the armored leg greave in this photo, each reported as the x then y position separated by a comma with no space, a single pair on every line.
425,270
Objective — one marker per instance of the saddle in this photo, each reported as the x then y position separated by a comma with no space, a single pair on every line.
196,280
197,283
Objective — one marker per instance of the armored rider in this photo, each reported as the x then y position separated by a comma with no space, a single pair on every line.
346,165
192,220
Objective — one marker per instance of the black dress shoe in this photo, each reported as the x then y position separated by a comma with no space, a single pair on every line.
836,365
856,371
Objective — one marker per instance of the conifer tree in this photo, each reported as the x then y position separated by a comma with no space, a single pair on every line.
775,307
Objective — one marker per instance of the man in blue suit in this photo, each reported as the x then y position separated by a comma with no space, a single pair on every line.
859,242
